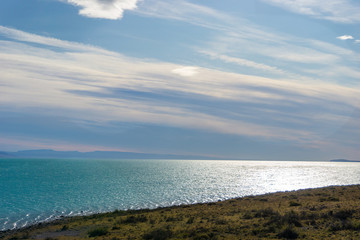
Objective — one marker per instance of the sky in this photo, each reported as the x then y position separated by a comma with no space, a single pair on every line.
259,79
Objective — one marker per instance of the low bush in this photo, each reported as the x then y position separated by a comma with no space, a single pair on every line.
115,227
247,215
294,204
14,238
288,233
220,222
190,220
158,234
98,232
292,218
329,199
204,236
343,214
344,225
135,219
267,212
64,228
289,218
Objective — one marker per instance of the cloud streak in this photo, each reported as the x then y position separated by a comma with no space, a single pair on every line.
346,11
263,47
226,102
243,62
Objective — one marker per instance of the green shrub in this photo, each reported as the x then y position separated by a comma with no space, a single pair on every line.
329,199
343,214
64,228
25,235
247,215
289,218
220,222
98,232
205,236
344,225
288,233
115,227
292,218
267,212
158,234
171,219
309,215
14,238
294,204
135,219
190,220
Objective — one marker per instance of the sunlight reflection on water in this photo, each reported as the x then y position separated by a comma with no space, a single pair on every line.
35,190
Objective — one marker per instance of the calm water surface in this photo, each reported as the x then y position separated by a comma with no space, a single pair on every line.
44,189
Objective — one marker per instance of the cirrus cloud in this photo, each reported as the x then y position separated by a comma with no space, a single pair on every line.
111,88
346,11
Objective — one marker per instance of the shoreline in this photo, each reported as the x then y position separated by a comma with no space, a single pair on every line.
63,217
33,201
182,220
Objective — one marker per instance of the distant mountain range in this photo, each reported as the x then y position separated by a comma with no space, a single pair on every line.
343,160
48,153
4,154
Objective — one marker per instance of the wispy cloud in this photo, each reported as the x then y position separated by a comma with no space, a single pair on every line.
108,9
183,11
346,11
109,87
263,46
345,37
48,41
243,62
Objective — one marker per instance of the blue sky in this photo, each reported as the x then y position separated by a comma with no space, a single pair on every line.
263,79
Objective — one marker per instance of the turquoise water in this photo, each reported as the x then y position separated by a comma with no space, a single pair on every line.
34,190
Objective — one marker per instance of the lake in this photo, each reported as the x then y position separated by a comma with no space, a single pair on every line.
35,190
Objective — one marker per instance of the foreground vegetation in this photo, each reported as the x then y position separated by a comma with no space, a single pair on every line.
323,213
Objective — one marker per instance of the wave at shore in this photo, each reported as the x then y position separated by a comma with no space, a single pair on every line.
322,213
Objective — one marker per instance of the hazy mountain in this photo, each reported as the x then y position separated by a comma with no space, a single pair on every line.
4,154
343,160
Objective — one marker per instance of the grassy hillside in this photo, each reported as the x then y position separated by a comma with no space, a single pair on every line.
324,213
